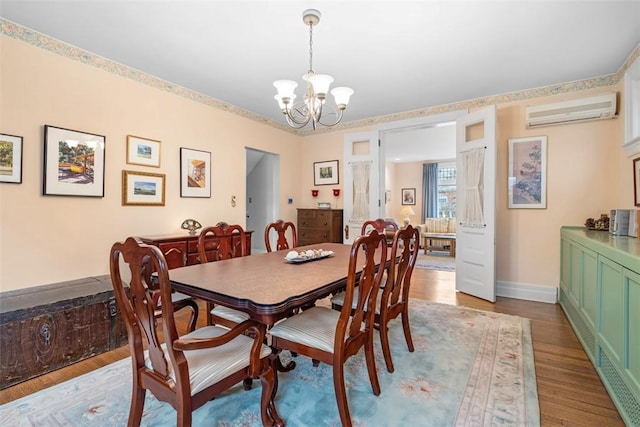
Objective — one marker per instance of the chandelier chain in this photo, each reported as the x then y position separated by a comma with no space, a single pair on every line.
311,48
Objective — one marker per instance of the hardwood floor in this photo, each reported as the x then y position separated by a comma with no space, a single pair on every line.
569,389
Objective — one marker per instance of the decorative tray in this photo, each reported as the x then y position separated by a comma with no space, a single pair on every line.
294,257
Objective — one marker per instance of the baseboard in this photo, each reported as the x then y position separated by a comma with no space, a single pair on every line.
526,291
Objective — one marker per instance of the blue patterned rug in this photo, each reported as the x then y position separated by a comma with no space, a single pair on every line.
469,368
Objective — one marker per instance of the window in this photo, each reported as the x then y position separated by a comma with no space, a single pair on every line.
447,190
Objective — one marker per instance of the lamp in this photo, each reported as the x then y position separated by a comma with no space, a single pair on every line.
313,107
407,212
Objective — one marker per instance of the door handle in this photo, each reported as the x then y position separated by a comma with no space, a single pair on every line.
346,232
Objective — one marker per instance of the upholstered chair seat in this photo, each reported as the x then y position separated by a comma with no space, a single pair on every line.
235,316
211,365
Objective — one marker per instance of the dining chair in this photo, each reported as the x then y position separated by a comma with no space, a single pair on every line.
189,370
382,226
332,337
231,242
281,229
393,300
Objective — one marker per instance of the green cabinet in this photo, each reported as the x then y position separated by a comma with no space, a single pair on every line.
600,294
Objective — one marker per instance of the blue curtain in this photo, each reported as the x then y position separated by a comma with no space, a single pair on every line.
430,190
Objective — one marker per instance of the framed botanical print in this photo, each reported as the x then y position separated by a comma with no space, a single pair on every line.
528,172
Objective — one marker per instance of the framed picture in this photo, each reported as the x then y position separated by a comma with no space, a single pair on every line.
528,172
195,173
325,173
10,158
142,188
636,181
143,151
73,163
408,196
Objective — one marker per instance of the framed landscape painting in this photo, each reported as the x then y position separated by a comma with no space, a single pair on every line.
143,151
195,173
325,173
73,163
528,172
142,188
10,158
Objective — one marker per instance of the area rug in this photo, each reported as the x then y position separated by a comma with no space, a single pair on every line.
436,262
469,368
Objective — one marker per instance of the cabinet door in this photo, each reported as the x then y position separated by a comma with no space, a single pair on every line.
175,253
589,289
611,321
632,325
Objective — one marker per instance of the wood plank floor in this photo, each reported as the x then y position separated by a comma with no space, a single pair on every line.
569,389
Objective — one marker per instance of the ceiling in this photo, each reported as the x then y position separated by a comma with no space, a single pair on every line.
396,55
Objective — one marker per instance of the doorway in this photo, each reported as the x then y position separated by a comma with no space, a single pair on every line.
263,193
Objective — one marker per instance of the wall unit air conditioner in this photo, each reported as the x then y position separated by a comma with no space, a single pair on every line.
576,110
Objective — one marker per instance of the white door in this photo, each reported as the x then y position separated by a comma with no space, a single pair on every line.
475,203
361,182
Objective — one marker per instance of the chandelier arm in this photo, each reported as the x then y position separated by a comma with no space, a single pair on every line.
293,122
338,119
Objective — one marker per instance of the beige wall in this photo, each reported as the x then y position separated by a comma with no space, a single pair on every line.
45,239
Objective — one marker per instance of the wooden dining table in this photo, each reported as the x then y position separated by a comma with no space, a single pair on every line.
266,285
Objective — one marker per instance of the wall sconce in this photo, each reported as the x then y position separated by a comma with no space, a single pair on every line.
191,224
314,193
336,192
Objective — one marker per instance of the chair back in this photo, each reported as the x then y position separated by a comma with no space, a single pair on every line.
281,228
231,240
404,250
380,225
138,307
368,252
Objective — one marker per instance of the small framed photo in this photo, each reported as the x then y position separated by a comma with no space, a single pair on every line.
636,181
73,163
195,173
528,173
142,188
408,196
143,151
325,173
10,158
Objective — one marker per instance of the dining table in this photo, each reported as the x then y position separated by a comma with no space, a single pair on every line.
267,286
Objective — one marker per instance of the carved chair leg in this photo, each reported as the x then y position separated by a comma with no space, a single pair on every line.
371,364
341,394
137,406
386,347
407,329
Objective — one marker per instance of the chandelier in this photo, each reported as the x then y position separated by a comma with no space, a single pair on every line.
313,108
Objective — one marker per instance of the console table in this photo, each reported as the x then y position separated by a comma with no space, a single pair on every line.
600,294
182,249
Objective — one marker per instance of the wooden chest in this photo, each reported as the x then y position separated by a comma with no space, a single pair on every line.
182,249
319,226
48,327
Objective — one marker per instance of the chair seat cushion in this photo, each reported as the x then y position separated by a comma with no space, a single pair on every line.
210,365
338,299
315,327
227,313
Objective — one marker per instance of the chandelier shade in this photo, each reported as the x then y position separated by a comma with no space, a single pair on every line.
312,108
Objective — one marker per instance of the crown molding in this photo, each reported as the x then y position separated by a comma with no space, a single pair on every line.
53,45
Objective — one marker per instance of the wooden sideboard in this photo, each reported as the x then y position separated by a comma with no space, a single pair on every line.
319,226
182,249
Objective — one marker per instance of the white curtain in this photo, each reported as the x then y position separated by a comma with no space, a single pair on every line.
473,165
361,175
